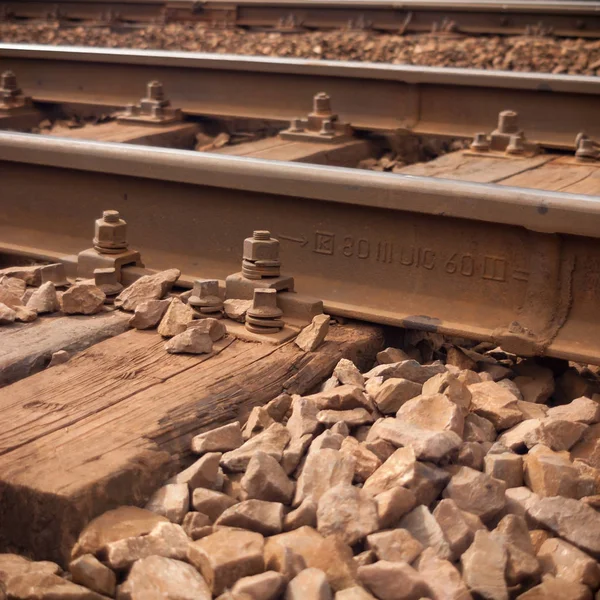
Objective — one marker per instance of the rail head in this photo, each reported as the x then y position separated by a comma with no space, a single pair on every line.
541,211
577,84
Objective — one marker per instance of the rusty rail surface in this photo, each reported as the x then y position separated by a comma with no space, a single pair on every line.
507,17
372,96
519,267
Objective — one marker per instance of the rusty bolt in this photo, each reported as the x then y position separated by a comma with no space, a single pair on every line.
111,233
586,149
205,296
515,145
322,104
9,82
326,127
155,91
55,273
261,246
264,315
296,125
480,143
108,281
508,122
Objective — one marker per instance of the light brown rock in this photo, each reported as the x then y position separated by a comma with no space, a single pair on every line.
303,419
309,584
29,274
11,291
507,467
59,358
353,417
588,449
395,545
7,314
89,572
272,441
581,410
549,473
536,383
148,314
160,578
442,576
407,369
538,537
433,412
226,556
222,439
565,561
478,429
391,355
120,523
471,454
13,565
278,407
176,319
211,502
44,299
334,557
24,314
342,397
557,589
148,287
458,532
304,515
264,586
570,519
403,469
214,328
294,452
354,593
380,448
312,336
531,410
255,515
393,393
82,299
428,445
322,471
366,463
286,550
258,420
422,525
514,438
203,473
367,557
171,501
557,434
45,586
484,565
197,525
348,512
476,493
393,504
236,309
393,581
166,539
265,479
458,358
325,440
191,341
347,373
495,403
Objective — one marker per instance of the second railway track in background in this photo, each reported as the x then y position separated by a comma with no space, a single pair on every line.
510,17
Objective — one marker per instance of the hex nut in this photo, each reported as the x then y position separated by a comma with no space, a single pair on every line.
110,233
261,246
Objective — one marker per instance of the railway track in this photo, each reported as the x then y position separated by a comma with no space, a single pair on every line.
510,17
378,98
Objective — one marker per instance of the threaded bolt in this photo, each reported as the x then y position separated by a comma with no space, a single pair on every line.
155,91
515,145
261,235
508,122
322,104
111,216
480,142
9,81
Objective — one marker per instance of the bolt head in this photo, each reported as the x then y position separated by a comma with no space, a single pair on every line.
110,232
259,249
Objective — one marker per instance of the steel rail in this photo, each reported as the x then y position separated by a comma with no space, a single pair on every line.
575,17
372,96
519,267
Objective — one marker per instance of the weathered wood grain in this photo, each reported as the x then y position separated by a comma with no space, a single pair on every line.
110,426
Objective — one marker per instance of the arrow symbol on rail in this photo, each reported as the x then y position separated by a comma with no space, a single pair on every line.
301,240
